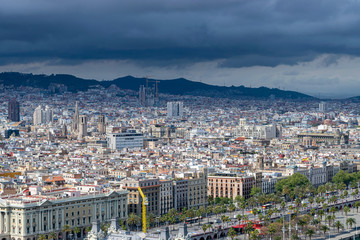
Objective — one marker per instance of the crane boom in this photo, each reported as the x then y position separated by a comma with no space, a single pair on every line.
144,204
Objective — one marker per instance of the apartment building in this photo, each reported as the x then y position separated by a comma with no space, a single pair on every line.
230,185
150,188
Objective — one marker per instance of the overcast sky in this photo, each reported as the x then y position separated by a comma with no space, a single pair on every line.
307,46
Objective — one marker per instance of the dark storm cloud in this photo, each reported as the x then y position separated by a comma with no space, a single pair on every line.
241,33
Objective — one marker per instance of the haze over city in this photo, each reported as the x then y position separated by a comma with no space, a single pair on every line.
306,46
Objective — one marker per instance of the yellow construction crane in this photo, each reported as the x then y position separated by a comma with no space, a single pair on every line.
144,204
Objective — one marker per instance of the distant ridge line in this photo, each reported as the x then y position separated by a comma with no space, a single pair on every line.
179,86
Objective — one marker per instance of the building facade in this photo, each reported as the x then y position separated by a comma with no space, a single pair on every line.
175,109
25,220
120,141
14,111
150,188
230,185
42,115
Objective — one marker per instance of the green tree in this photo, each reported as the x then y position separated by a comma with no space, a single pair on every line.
255,191
231,207
217,210
254,235
346,210
205,227
232,233
239,217
295,180
42,237
272,230
76,230
350,222
310,232
53,236
133,220
338,225
357,205
324,229
88,229
150,220
225,219
199,213
249,228
66,229
342,177
104,227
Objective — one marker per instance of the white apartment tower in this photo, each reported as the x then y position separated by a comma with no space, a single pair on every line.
43,115
322,106
175,109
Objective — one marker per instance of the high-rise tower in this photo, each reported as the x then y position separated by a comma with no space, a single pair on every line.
101,124
75,123
82,126
14,111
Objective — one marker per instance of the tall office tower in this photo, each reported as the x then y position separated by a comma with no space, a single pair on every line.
82,126
175,109
37,117
48,114
322,106
101,124
14,111
43,116
75,123
64,130
142,95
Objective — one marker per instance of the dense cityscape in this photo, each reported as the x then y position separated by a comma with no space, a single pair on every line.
179,120
72,164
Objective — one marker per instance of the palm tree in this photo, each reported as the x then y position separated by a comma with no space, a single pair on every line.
66,229
209,209
350,222
42,237
286,191
150,220
205,227
225,219
249,228
199,213
310,232
338,225
272,230
328,218
357,205
324,228
239,217
254,235
88,229
217,210
232,233
76,232
133,219
346,210
333,210
311,200
52,236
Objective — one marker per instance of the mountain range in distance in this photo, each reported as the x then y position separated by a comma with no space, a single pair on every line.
178,86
